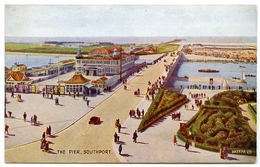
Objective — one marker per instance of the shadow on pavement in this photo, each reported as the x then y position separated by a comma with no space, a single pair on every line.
50,142
193,151
232,158
37,124
124,133
142,142
180,145
121,142
246,118
126,155
11,134
53,136
50,151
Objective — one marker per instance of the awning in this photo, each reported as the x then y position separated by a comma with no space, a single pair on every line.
88,85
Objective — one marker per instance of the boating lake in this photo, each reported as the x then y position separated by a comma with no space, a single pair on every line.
33,60
226,70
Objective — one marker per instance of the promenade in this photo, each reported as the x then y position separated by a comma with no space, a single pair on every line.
155,144
80,136
80,142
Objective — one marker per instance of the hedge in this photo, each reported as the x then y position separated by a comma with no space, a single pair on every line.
252,112
154,112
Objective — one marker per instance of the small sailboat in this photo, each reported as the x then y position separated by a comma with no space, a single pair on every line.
225,85
243,77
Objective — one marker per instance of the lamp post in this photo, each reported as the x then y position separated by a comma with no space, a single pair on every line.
58,67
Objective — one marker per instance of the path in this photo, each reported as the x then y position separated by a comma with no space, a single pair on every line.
82,136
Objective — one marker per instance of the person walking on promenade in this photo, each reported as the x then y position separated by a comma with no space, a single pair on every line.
142,113
135,137
174,139
119,127
24,116
43,142
116,137
49,130
43,135
46,146
225,152
74,95
6,129
221,152
120,149
12,94
87,102
187,145
31,120
35,119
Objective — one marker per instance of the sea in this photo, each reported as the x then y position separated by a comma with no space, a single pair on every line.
138,40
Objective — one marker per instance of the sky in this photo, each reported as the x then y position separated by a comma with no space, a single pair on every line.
130,20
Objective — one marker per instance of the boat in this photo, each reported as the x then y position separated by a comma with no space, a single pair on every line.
250,75
235,78
207,70
243,77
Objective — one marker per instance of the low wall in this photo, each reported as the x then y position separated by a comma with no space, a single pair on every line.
173,68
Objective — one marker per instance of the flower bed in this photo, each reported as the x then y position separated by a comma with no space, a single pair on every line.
164,103
220,122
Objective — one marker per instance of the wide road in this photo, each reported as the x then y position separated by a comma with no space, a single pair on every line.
83,137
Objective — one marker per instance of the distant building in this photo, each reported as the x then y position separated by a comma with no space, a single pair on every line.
18,67
75,84
7,70
17,81
105,62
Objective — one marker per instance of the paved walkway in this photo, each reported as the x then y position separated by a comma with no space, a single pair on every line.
84,143
81,136
156,143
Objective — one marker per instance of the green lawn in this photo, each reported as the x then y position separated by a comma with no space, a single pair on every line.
37,48
167,48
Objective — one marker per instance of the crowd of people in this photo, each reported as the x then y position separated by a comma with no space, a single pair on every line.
137,113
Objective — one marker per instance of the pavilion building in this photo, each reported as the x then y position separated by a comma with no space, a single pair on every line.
105,62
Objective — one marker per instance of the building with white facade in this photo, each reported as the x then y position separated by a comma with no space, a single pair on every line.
105,62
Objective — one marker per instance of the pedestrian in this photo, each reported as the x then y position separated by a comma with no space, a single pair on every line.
120,149
31,120
10,114
225,152
138,92
6,129
187,145
24,116
46,147
116,123
221,152
74,95
174,139
12,94
142,113
35,119
135,137
119,127
116,137
49,130
43,142
43,135
87,102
